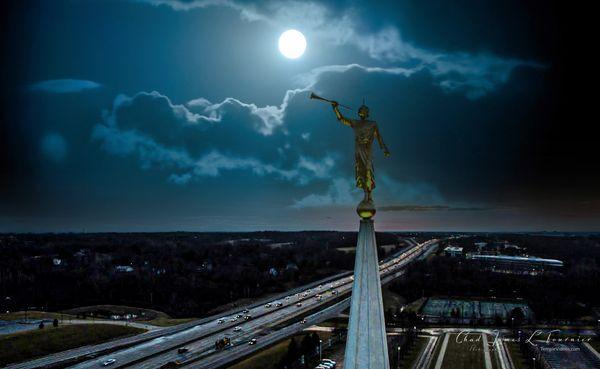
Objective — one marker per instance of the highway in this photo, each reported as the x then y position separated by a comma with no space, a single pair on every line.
155,349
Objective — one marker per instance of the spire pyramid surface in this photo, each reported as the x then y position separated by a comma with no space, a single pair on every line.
366,346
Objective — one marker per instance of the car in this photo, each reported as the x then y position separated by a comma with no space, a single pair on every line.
182,350
234,319
268,305
305,294
334,292
221,321
252,342
326,365
237,329
278,304
287,297
247,317
109,362
238,316
299,304
329,362
245,311
303,321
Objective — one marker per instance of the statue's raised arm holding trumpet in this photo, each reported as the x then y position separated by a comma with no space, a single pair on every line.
365,131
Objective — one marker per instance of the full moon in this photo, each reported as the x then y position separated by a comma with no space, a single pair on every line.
292,44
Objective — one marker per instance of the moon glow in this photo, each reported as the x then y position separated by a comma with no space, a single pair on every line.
292,44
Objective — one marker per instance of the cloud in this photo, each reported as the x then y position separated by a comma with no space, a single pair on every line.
54,147
270,117
474,74
417,208
63,86
340,192
139,138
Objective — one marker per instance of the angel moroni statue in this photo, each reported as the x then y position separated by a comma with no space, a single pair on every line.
366,344
365,131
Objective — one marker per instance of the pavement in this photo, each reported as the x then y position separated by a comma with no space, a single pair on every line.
268,325
440,357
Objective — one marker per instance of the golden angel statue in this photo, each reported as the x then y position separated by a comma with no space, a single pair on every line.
365,131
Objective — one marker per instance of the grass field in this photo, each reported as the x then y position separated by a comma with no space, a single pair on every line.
515,354
391,300
595,344
107,310
167,322
409,358
466,355
29,345
35,315
267,358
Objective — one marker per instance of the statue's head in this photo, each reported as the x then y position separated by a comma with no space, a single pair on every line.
363,111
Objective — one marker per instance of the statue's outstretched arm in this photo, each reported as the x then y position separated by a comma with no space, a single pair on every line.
382,145
339,115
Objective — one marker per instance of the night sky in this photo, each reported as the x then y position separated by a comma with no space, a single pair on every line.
158,115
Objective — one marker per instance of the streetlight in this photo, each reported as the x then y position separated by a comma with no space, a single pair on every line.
398,357
320,350
533,363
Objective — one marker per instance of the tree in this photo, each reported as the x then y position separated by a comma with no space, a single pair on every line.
518,316
55,322
41,326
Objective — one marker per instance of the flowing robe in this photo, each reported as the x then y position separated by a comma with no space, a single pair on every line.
364,134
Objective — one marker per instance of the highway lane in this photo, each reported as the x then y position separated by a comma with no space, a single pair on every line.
225,357
67,357
204,337
202,349
200,338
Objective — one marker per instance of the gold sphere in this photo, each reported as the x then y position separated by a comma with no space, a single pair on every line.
365,210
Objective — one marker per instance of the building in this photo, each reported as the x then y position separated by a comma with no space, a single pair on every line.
516,264
124,268
453,251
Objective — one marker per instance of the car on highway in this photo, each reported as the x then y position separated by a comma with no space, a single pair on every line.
329,361
182,350
334,292
252,342
287,297
278,304
245,311
221,321
247,317
299,304
237,329
238,316
268,305
303,321
234,319
109,362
